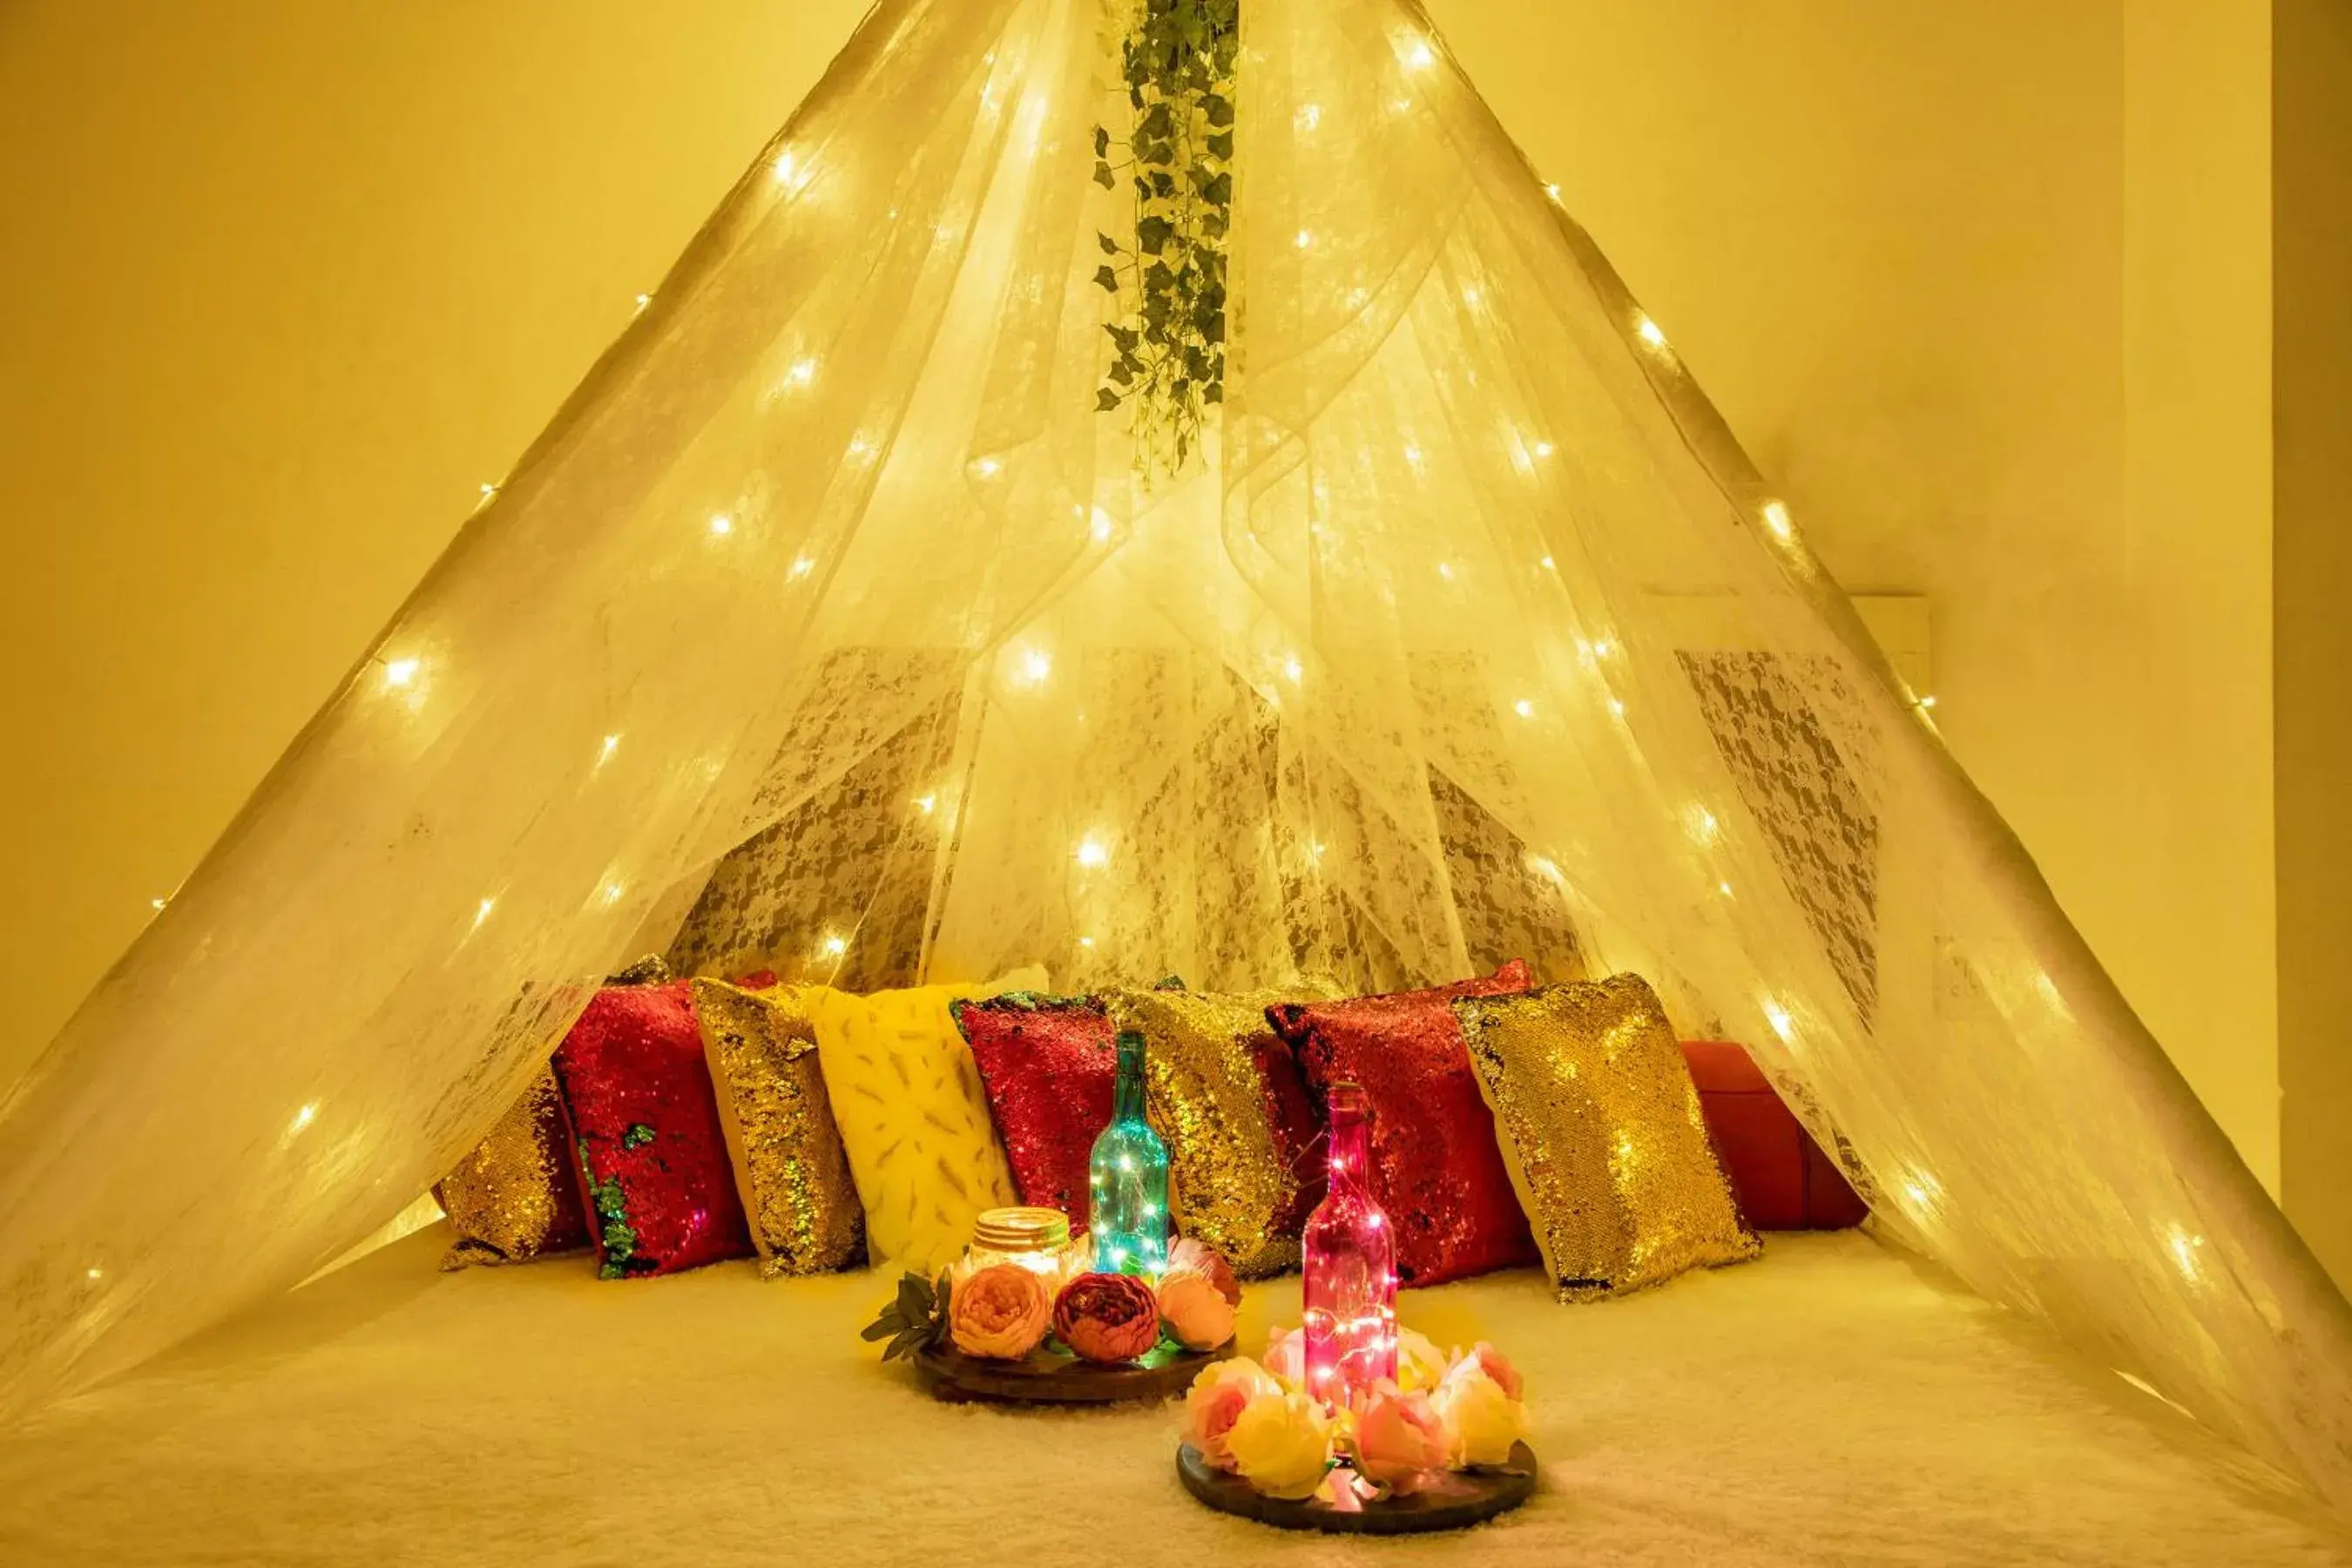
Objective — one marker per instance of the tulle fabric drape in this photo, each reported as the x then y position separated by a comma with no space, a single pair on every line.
830,629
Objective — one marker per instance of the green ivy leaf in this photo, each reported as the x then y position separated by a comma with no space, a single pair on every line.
1152,234
1106,280
1219,110
1105,400
1103,177
1102,142
1110,245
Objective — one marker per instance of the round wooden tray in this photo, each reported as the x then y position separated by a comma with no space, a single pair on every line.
1454,1501
1048,1377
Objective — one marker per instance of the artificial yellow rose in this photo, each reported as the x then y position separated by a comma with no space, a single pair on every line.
1281,1443
1482,1421
1421,1365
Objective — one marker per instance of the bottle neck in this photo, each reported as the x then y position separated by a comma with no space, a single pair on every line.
1351,1148
1127,1101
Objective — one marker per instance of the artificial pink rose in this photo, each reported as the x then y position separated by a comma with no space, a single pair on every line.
1195,1310
1200,1257
1285,1356
1215,1401
1109,1317
1400,1441
1484,1357
1002,1312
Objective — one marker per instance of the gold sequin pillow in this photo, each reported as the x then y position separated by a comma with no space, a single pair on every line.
1600,1126
517,1195
790,1168
1244,1166
913,1116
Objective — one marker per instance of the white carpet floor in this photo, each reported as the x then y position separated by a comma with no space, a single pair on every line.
1833,1402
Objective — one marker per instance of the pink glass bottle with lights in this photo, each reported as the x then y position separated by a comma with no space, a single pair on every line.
1351,1281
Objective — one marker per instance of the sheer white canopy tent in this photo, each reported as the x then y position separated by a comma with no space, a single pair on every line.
861,616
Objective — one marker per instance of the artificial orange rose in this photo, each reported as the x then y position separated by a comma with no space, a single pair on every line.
1199,1257
1400,1441
1001,1312
1194,1311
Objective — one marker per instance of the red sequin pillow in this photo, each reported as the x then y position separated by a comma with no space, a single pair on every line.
645,1125
1050,1065
1780,1176
1435,1166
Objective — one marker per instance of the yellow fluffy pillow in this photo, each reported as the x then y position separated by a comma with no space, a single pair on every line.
913,1116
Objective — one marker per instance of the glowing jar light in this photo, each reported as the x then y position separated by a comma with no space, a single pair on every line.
1037,1239
1351,1281
1126,1178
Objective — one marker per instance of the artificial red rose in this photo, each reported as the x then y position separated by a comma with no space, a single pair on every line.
1107,1318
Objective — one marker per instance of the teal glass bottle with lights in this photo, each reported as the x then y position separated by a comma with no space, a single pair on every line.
1127,1186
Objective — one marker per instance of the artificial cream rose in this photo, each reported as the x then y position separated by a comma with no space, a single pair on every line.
1215,1401
1421,1365
1194,1311
1400,1442
1192,1256
1285,1357
1107,1318
1281,1443
1001,1312
1482,1420
1494,1364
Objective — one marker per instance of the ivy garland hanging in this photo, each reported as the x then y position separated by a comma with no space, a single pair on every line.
1168,363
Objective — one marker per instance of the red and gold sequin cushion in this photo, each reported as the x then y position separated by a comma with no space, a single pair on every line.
645,1127
1049,1065
1436,1168
516,1196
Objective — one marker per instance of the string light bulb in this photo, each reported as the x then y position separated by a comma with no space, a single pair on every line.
1649,332
722,524
1091,853
401,671
1776,518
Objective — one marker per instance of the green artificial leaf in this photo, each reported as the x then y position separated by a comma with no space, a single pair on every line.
1106,399
1125,337
1218,109
1163,183
1103,177
1102,142
1213,393
1152,234
1221,145
1110,245
1107,280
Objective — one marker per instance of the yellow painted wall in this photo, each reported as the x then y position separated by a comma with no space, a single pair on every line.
2313,376
290,279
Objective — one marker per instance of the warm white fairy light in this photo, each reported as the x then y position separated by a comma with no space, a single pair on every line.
303,1117
1544,448
1723,888
605,753
401,671
1702,823
1101,525
1616,709
1446,570
488,491
1928,702
1776,518
1032,666
1420,56
2184,1253
1085,941
94,1274
1782,1025
1649,332
157,903
1524,708
1548,564
987,467
801,567
722,524
644,300
1412,457
791,173
1309,117
482,911
834,946
1306,238
1470,296
1604,648
1091,852
1293,669
927,803
804,372
612,893
1552,191
859,447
